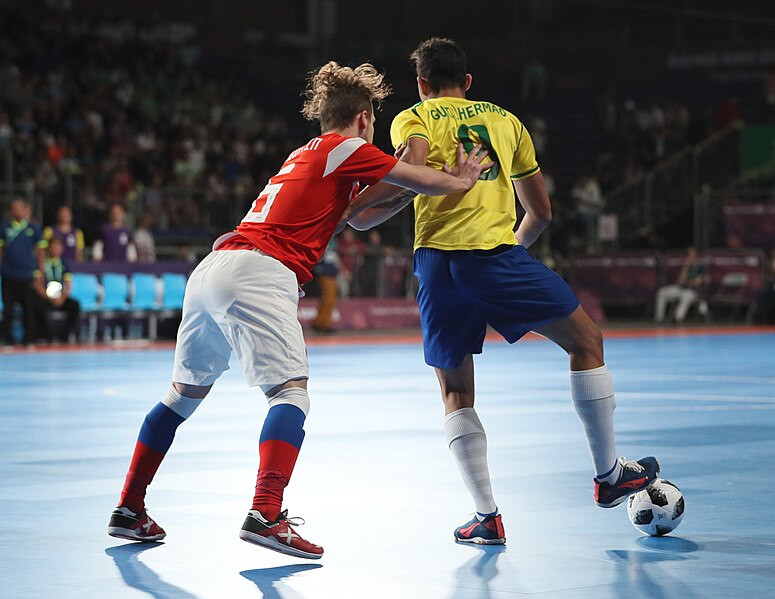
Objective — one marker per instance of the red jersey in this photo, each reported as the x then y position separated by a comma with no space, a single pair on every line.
296,214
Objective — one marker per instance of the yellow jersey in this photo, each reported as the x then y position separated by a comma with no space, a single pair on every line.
484,217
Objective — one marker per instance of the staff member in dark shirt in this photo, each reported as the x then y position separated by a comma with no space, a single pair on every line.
21,253
115,243
53,285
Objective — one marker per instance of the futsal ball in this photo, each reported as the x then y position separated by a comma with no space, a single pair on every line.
658,509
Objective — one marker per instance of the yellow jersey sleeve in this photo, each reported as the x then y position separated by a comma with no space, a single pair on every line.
408,124
524,163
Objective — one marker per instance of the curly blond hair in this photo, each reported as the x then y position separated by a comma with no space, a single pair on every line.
336,94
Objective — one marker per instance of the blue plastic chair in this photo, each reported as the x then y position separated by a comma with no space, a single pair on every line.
174,288
144,292
86,290
144,304
115,292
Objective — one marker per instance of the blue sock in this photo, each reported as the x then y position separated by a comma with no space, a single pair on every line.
481,517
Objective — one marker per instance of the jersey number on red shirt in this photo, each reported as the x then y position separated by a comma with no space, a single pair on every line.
270,193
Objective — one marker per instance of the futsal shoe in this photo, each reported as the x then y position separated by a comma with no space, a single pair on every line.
278,535
135,526
482,532
635,476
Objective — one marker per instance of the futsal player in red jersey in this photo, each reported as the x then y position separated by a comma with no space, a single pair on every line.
243,297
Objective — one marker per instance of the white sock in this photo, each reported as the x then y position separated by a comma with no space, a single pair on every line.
593,397
468,444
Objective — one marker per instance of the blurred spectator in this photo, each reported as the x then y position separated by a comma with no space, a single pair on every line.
71,237
728,111
534,80
113,125
373,262
768,89
687,290
539,135
22,253
764,306
115,243
351,251
52,286
143,239
325,273
589,203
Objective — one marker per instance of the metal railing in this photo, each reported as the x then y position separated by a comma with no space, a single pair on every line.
677,188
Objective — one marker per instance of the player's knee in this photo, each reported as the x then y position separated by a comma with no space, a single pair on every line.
184,399
194,391
456,400
589,345
291,395
593,344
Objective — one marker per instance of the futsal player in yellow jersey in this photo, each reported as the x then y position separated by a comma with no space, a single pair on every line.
473,268
484,217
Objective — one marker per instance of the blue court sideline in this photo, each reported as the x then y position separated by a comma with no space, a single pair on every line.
376,485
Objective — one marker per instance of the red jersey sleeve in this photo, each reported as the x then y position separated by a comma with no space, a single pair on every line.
367,163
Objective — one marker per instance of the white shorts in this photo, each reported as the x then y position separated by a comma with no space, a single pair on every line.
244,301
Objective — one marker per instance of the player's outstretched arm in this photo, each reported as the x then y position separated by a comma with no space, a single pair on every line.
379,202
410,176
431,182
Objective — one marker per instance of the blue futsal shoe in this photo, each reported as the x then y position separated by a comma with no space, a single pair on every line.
482,532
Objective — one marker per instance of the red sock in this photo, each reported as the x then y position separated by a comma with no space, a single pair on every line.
145,463
268,499
281,438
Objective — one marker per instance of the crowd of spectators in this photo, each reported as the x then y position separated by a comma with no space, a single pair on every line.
636,137
122,111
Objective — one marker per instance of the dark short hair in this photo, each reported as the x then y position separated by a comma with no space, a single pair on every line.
441,62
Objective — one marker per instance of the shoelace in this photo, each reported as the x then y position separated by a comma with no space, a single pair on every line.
292,520
633,465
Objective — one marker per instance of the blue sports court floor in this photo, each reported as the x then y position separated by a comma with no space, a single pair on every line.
377,486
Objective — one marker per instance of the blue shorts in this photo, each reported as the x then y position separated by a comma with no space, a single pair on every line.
463,291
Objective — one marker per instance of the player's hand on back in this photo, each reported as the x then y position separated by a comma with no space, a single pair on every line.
469,167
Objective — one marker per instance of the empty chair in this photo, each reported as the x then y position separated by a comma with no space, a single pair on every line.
145,292
144,302
173,290
85,289
115,292
114,307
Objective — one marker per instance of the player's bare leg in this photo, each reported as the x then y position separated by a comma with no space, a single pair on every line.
593,398
468,444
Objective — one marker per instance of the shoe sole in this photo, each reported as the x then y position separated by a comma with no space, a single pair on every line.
269,543
481,541
131,535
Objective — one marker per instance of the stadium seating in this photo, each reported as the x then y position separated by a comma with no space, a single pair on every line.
173,289
86,290
735,277
144,302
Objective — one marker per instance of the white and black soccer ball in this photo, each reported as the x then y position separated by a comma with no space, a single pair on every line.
658,509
